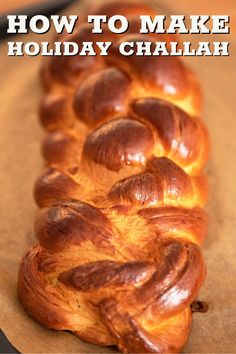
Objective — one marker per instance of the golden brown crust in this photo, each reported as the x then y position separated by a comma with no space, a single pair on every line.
121,220
177,221
109,87
54,185
119,142
68,223
184,138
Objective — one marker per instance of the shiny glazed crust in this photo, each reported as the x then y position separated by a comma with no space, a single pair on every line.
121,199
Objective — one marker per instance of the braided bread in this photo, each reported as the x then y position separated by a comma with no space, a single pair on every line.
121,202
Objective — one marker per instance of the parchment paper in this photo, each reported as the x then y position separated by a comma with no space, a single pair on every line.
21,163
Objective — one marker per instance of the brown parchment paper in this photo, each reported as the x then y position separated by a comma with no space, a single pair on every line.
21,163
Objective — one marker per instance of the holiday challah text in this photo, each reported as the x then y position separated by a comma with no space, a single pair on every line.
160,24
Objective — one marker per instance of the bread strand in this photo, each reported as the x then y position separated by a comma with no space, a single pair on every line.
121,220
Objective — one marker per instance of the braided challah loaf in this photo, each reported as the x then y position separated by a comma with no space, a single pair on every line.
121,220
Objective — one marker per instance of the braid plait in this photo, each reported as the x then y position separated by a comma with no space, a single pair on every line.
121,219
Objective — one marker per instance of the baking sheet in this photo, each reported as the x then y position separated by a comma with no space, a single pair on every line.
21,163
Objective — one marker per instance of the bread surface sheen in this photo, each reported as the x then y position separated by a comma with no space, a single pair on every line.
121,218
